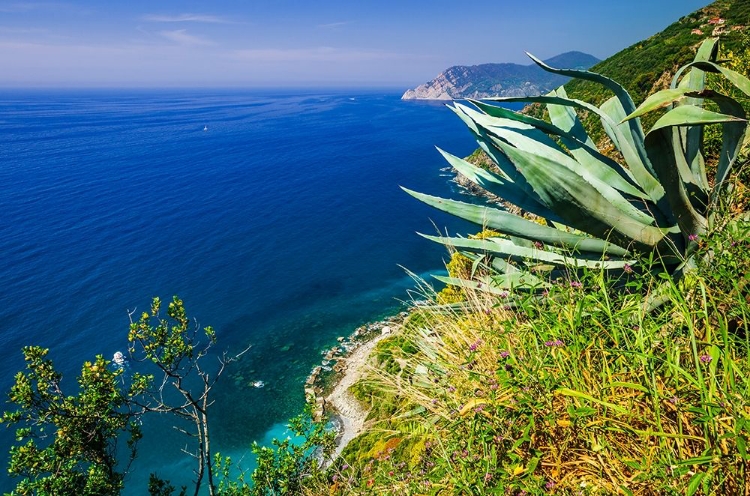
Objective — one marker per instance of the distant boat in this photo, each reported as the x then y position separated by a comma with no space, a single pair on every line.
205,128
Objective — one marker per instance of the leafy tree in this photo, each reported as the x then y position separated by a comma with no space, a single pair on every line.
172,345
288,466
68,444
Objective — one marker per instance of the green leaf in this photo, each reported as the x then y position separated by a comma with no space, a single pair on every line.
503,266
599,211
475,264
499,284
556,160
507,223
581,146
505,189
504,165
741,82
661,150
689,115
509,249
620,93
695,482
658,100
733,137
588,397
692,137
633,151
574,137
614,86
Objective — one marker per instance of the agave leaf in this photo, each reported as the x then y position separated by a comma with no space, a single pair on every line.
695,181
581,146
503,266
658,100
696,79
513,225
661,149
498,124
633,151
500,265
692,178
733,137
585,203
689,115
507,190
506,167
509,249
620,93
566,118
497,285
534,141
706,53
505,113
578,143
614,86
691,137
475,264
575,143
733,119
738,80
708,50
465,118
527,138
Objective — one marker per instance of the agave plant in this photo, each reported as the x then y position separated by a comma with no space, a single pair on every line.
576,206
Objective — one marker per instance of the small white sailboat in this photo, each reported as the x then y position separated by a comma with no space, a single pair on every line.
205,128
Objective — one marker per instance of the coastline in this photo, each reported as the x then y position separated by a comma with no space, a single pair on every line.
327,387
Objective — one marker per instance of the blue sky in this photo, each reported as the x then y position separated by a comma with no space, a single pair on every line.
303,43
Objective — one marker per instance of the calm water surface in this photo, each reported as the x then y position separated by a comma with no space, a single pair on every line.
281,225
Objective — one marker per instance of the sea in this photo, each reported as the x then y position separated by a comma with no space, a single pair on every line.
275,215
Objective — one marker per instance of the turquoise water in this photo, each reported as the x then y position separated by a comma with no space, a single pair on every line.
282,225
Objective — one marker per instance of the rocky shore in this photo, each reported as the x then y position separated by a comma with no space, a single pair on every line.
327,386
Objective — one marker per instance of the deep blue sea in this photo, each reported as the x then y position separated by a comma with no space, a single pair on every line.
281,225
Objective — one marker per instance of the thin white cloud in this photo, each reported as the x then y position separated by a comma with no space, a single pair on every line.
333,25
15,30
181,37
319,54
211,19
165,63
15,7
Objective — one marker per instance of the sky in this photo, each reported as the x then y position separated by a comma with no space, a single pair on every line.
288,43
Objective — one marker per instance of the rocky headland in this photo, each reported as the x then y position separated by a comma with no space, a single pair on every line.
498,80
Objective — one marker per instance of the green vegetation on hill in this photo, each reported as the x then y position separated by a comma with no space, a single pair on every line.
649,65
584,392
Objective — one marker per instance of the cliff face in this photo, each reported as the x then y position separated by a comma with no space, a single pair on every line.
488,80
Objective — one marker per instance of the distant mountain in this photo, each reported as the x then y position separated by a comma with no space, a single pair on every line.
488,80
